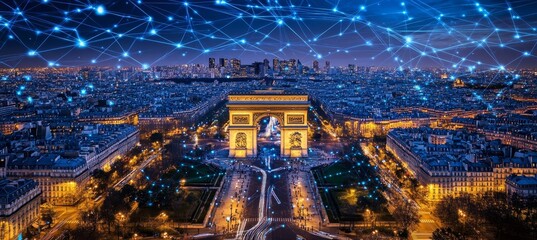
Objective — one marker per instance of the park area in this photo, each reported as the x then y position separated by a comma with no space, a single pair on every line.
194,174
182,194
351,192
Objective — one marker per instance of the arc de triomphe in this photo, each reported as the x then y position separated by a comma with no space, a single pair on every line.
246,109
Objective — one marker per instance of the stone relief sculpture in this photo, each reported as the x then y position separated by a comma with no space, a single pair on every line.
296,140
240,119
240,141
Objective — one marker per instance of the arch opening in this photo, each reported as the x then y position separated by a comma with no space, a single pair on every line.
269,135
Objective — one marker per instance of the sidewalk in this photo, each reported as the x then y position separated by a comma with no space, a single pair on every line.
305,211
231,204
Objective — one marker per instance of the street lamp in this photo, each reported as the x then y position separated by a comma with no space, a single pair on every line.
228,219
461,213
302,213
231,209
163,216
121,217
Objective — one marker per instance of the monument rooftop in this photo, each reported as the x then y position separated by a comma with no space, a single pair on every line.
269,91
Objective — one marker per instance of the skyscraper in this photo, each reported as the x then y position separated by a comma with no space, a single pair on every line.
212,63
236,64
292,64
266,65
327,66
315,65
259,69
276,65
300,68
352,68
223,62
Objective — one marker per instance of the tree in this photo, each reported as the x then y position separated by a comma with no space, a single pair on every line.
114,202
128,192
446,234
47,213
369,217
156,137
406,216
89,219
100,179
530,207
491,215
82,232
107,214
417,191
446,210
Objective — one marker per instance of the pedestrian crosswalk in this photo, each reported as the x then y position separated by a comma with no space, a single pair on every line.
281,219
426,220
271,219
72,221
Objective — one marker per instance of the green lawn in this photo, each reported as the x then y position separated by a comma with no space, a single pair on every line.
191,207
348,188
195,174
184,192
340,173
203,208
329,206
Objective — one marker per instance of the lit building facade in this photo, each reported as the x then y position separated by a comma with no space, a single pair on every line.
503,168
524,141
8,127
19,206
523,186
111,118
60,179
62,171
116,142
454,162
368,127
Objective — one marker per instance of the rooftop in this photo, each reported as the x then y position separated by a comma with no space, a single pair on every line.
522,180
11,190
269,91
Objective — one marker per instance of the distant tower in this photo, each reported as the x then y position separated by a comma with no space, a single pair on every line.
222,62
266,65
266,62
316,66
259,69
292,62
236,64
284,66
327,66
352,68
276,65
212,63
299,66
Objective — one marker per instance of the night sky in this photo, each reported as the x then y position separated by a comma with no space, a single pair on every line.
459,35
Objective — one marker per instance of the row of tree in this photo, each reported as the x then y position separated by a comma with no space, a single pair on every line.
492,215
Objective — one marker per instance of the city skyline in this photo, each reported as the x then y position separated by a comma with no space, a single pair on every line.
408,34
